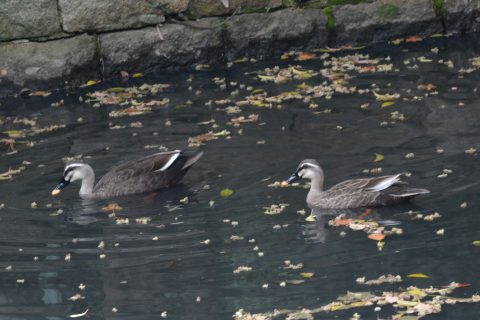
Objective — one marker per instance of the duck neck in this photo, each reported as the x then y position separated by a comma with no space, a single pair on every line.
88,181
317,183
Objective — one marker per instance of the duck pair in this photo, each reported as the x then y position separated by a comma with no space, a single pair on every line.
165,169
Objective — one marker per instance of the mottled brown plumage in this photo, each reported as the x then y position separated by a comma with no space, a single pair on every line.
355,193
157,171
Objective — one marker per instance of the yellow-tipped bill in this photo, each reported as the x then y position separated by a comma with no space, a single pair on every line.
62,184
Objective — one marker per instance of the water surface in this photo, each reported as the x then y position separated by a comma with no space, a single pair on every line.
182,261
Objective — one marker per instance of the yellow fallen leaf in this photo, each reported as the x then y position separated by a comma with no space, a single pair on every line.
387,104
378,157
476,243
386,96
226,193
311,218
397,41
417,292
265,78
405,303
418,275
137,75
91,83
116,89
307,275
15,134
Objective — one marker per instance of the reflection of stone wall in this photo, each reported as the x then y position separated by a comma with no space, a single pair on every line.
47,39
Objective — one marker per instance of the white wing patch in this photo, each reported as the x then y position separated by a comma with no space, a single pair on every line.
170,161
385,183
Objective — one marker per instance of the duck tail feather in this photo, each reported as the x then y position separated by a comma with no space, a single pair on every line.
191,161
409,193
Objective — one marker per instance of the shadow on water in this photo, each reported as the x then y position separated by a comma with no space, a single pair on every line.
62,256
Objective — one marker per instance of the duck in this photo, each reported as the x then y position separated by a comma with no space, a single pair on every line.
355,193
153,172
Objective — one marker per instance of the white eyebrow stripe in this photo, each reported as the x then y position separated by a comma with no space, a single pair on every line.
309,164
170,161
71,166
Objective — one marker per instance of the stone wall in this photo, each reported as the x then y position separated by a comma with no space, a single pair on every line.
48,43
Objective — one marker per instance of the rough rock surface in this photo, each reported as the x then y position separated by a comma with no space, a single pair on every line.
101,15
33,63
273,33
209,8
462,15
382,20
28,19
144,49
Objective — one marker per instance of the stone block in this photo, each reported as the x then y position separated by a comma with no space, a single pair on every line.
106,15
384,20
273,33
462,15
209,8
20,19
170,45
35,63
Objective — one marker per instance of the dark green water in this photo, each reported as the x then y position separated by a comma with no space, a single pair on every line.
179,273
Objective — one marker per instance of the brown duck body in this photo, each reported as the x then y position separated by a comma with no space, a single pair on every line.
154,172
355,193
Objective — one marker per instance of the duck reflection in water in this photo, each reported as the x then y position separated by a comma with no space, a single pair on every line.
318,230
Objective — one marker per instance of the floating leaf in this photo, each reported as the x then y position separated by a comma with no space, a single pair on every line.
378,157
307,275
311,218
258,91
405,303
418,275
226,193
40,94
137,75
112,207
413,39
385,97
15,134
417,292
78,315
343,222
91,83
387,104
476,243
376,236
304,56
462,285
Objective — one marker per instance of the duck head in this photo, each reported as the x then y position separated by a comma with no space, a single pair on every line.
309,169
72,172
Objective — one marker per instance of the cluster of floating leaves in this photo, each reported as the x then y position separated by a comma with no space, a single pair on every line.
409,303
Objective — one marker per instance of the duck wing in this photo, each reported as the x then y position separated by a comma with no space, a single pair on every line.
376,184
146,174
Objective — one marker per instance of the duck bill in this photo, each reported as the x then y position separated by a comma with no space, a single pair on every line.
60,186
294,177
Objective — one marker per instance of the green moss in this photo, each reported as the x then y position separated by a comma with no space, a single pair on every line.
330,18
388,11
439,8
290,3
